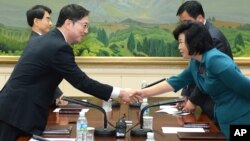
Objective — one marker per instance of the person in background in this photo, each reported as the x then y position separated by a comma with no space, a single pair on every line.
213,72
46,61
193,10
39,19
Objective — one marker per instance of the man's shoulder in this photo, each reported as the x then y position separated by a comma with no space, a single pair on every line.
55,33
213,30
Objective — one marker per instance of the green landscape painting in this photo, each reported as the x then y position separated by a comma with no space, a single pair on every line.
128,28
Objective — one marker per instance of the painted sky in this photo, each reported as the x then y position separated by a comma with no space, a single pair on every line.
148,11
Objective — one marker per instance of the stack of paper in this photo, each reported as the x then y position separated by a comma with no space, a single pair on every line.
171,109
181,129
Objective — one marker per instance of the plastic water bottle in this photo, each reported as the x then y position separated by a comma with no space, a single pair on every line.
150,136
143,104
81,127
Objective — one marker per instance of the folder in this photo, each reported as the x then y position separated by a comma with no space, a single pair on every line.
57,130
70,111
199,136
70,108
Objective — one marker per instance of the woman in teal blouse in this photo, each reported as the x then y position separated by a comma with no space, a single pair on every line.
213,72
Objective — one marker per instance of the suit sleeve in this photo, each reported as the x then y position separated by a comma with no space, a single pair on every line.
58,92
181,80
64,63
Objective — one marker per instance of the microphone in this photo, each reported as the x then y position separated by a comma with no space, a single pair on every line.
138,104
142,131
156,82
98,132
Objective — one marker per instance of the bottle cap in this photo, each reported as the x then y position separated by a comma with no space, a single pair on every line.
150,135
82,113
144,100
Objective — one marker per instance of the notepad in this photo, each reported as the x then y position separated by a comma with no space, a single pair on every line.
57,130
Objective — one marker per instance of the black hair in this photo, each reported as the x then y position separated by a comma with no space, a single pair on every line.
193,8
38,12
198,39
72,12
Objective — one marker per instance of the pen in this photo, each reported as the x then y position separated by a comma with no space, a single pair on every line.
39,138
196,125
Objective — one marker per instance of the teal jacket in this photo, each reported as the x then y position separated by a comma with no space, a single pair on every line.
218,76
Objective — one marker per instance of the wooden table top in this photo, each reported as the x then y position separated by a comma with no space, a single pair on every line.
95,119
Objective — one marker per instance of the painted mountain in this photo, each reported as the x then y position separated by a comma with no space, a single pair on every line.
128,27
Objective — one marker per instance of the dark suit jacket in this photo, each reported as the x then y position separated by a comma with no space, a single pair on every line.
33,35
58,91
46,60
195,96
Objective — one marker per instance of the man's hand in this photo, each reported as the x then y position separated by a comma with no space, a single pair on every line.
130,95
61,102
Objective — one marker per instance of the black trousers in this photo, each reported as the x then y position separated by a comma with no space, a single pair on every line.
9,133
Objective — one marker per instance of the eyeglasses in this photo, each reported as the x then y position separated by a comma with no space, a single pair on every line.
84,25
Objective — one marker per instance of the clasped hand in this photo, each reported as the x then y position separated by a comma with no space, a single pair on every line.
130,96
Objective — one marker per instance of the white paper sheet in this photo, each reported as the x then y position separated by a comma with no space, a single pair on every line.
56,139
171,109
174,130
58,109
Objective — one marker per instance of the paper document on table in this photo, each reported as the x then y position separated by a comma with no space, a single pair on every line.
166,106
55,139
57,110
171,109
181,129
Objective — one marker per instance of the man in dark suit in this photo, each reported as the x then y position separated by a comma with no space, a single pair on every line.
39,19
192,10
46,61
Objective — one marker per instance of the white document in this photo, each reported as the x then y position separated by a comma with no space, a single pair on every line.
56,139
166,106
174,130
58,109
171,109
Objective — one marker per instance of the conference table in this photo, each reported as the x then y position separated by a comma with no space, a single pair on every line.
95,119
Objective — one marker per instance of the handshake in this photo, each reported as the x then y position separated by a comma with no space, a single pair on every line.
130,95
135,95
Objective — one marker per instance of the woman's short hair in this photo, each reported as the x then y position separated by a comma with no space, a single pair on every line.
198,39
